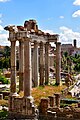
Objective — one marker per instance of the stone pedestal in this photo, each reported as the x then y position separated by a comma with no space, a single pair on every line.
21,65
57,99
44,104
41,63
22,107
11,100
29,108
58,62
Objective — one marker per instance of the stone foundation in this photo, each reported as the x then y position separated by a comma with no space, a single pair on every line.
22,106
49,109
15,116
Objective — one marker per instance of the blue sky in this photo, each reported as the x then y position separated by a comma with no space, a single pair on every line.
54,16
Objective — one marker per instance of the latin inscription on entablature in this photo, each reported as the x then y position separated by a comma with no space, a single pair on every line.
38,38
53,38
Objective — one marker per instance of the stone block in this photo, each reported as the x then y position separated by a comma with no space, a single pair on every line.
44,104
52,101
1,96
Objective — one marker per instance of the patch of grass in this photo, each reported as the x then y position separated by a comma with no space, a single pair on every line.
40,87
70,97
45,91
4,103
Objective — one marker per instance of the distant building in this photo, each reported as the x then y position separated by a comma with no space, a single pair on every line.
67,48
70,49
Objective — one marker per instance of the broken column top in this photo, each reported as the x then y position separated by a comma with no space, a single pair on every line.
31,25
30,29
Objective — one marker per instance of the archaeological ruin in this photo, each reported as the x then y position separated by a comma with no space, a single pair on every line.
31,67
34,65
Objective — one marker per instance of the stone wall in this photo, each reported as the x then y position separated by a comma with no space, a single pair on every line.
49,111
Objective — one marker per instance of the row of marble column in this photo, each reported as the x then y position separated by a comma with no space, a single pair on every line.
30,69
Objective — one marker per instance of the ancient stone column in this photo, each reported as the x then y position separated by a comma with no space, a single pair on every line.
58,62
13,67
51,60
35,64
46,62
27,68
13,93
52,101
21,65
57,99
29,108
41,63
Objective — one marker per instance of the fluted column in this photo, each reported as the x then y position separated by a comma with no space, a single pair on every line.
35,62
58,62
41,63
13,67
27,68
46,62
21,65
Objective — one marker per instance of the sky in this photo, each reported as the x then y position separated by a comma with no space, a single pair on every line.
53,16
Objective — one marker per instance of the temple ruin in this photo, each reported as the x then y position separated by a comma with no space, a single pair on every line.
31,67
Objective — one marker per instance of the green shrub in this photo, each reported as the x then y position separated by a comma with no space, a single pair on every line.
62,105
3,115
6,98
3,79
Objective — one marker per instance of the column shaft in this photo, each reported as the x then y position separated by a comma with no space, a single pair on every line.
58,62
35,59
47,63
13,67
27,68
21,65
41,63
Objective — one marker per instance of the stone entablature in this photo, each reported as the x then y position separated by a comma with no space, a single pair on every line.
20,35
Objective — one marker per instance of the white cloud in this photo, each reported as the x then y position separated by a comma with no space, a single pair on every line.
67,35
76,14
4,39
61,17
4,0
3,36
1,28
76,2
